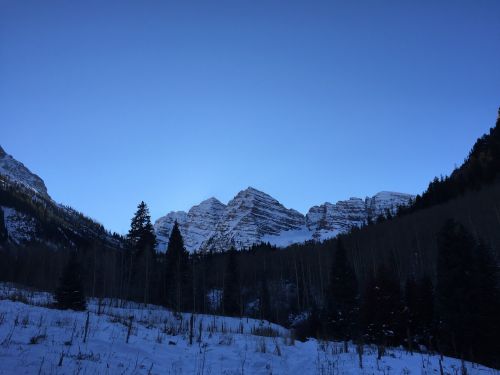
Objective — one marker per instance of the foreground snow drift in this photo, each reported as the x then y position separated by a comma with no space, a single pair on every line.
38,340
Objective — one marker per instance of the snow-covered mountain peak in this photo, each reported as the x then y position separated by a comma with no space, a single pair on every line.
16,172
249,217
210,203
251,194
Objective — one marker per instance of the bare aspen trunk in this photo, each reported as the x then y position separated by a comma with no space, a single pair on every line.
297,282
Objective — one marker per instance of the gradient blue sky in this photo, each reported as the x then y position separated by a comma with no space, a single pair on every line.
113,102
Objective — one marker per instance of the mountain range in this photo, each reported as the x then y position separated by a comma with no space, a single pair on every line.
253,216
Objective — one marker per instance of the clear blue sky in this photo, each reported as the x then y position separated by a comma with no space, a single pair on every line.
113,102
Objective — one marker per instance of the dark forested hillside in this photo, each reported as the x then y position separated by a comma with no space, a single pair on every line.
50,223
481,167
408,242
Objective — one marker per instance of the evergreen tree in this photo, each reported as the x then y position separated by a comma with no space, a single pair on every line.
231,292
342,297
141,253
177,271
70,293
141,235
486,303
455,288
418,312
425,312
381,309
467,296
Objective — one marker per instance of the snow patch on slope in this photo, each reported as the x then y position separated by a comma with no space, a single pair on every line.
20,227
289,237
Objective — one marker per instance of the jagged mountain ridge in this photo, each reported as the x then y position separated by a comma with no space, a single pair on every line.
253,216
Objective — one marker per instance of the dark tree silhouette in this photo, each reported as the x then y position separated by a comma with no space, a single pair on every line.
381,309
455,288
231,291
141,234
264,298
467,296
3,230
425,326
141,253
177,271
486,304
70,293
342,297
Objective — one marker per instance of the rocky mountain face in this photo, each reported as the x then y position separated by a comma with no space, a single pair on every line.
17,172
254,217
198,224
250,217
329,220
28,215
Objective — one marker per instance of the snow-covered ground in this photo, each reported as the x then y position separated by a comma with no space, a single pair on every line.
38,340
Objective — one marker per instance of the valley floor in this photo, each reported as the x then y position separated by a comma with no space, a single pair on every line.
38,340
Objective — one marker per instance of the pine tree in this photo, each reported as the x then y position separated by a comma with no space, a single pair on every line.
342,297
425,324
418,312
70,293
467,296
486,304
177,271
381,309
141,253
141,235
231,292
455,288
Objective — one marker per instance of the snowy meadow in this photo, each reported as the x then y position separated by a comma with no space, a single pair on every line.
121,337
